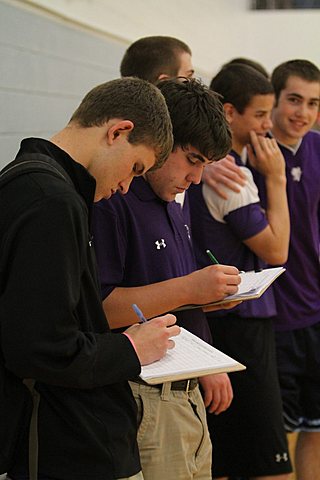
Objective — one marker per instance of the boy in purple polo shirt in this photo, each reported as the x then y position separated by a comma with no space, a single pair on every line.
249,438
152,264
157,58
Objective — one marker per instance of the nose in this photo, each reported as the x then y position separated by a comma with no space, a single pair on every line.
195,175
267,124
125,184
302,109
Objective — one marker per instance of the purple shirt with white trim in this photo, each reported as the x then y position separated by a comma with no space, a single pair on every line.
141,239
221,226
298,292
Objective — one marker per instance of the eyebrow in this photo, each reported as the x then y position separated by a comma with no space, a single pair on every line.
300,97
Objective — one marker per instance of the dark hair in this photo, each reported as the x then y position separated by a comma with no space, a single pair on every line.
130,99
251,63
197,117
237,84
298,68
149,57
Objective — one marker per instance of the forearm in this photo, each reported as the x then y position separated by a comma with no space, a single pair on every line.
278,217
154,299
202,286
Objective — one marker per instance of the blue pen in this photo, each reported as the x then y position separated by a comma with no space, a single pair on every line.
139,313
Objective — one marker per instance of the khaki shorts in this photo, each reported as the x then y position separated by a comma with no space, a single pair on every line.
173,436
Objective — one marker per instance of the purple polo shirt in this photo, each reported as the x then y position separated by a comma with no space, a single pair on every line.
297,294
141,239
221,226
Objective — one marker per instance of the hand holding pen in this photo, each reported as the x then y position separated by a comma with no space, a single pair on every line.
153,338
212,283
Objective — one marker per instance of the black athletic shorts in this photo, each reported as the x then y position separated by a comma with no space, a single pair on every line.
249,439
298,359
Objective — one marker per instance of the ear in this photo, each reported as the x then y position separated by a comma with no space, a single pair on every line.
163,76
229,111
118,129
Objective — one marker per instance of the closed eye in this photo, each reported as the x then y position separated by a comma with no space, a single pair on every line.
195,158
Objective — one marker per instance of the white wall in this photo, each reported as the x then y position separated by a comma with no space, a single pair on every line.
54,51
216,30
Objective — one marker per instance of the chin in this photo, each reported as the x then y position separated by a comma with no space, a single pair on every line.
102,197
171,198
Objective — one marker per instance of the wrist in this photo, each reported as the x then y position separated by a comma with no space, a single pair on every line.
279,179
186,289
131,341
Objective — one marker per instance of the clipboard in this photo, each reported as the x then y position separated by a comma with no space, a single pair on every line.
190,358
252,286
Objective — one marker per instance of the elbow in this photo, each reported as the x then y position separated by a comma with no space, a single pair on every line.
278,257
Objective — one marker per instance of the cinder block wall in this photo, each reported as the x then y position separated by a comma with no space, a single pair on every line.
46,67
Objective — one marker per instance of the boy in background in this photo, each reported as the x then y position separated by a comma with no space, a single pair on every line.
249,439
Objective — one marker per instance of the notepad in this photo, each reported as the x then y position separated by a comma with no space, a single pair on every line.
191,358
253,285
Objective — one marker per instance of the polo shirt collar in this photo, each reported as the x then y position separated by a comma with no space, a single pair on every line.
293,149
141,188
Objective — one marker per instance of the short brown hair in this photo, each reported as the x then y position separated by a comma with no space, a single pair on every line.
130,99
148,57
297,68
251,63
197,117
238,84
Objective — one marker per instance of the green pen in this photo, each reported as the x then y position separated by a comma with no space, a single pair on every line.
212,257
215,261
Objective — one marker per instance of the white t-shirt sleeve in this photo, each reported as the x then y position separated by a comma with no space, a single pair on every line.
219,207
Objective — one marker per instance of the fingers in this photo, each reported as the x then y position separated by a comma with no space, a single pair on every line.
229,174
263,144
221,400
228,158
228,305
258,143
226,269
232,183
217,392
171,330
229,163
251,155
222,280
223,306
219,191
208,398
168,319
229,276
152,339
224,173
